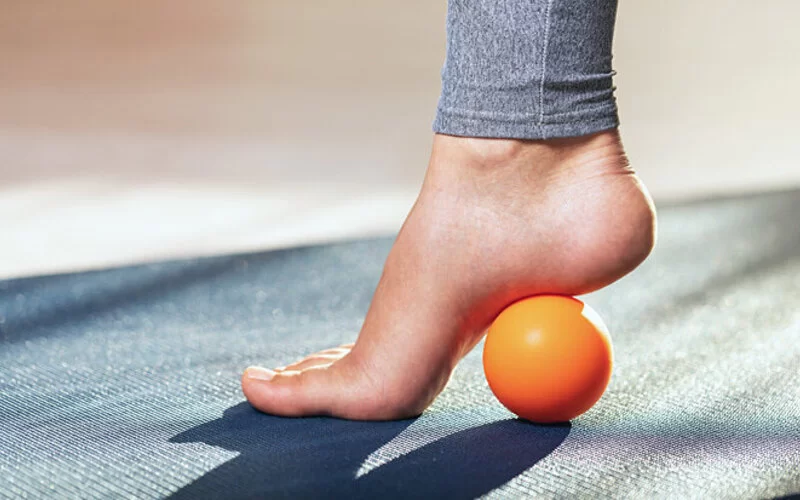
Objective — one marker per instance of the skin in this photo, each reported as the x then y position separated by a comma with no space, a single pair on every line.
496,220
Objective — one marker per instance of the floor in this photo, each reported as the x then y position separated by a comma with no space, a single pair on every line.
124,382
133,134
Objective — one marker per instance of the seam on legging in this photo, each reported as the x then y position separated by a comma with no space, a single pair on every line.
482,127
450,118
530,117
544,58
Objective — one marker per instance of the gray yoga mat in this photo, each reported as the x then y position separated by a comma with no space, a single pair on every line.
124,382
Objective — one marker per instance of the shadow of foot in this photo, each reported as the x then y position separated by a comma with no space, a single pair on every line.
280,457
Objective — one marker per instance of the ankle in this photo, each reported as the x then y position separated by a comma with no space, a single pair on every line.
477,152
571,157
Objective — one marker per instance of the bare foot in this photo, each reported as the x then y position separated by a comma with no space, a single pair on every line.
496,221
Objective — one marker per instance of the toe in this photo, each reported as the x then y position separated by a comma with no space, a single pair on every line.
344,349
314,391
312,361
338,390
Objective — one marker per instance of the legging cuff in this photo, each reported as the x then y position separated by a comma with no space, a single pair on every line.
494,125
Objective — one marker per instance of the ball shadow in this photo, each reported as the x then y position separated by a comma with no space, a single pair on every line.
312,457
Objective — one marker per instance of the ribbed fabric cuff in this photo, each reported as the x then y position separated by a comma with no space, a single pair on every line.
576,124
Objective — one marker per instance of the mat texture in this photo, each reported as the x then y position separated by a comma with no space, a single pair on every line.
124,383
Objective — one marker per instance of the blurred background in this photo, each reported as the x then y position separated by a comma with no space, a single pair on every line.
133,132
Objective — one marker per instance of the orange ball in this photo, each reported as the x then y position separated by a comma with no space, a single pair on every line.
548,358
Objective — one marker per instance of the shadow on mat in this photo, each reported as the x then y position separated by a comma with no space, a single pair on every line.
301,458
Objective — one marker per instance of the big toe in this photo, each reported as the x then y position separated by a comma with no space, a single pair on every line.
293,393
332,390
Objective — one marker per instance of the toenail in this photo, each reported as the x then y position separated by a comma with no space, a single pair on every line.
258,373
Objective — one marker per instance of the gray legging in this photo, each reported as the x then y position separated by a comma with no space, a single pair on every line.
528,69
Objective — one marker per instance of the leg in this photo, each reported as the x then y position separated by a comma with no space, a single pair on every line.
527,191
534,69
